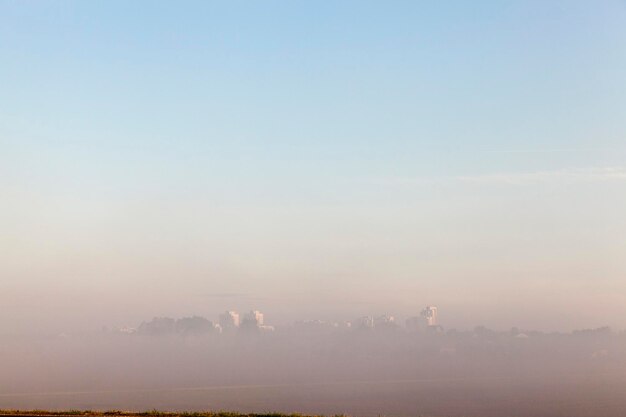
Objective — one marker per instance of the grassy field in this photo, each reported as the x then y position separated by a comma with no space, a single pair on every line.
153,413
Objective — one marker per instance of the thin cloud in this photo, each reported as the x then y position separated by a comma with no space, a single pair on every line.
593,174
553,150
566,175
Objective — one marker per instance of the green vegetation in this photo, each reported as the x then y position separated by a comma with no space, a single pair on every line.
153,413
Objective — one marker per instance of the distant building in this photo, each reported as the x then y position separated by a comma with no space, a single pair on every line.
255,316
365,322
229,320
426,320
127,330
252,320
313,325
430,315
385,322
344,324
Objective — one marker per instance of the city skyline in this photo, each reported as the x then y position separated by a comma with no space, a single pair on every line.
335,158
344,208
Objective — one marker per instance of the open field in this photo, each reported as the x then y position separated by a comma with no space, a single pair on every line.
582,397
363,375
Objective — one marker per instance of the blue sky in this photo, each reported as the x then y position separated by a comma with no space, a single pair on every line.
350,117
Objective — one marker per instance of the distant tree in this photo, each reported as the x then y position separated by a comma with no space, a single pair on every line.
600,331
158,326
194,325
484,333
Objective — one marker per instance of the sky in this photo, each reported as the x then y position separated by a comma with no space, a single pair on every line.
312,160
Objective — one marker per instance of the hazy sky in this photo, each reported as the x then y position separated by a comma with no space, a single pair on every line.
313,159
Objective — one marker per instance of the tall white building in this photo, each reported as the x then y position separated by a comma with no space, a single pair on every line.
229,319
426,319
253,318
384,321
430,315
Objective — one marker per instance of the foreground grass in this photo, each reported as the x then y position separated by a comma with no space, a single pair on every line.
153,413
